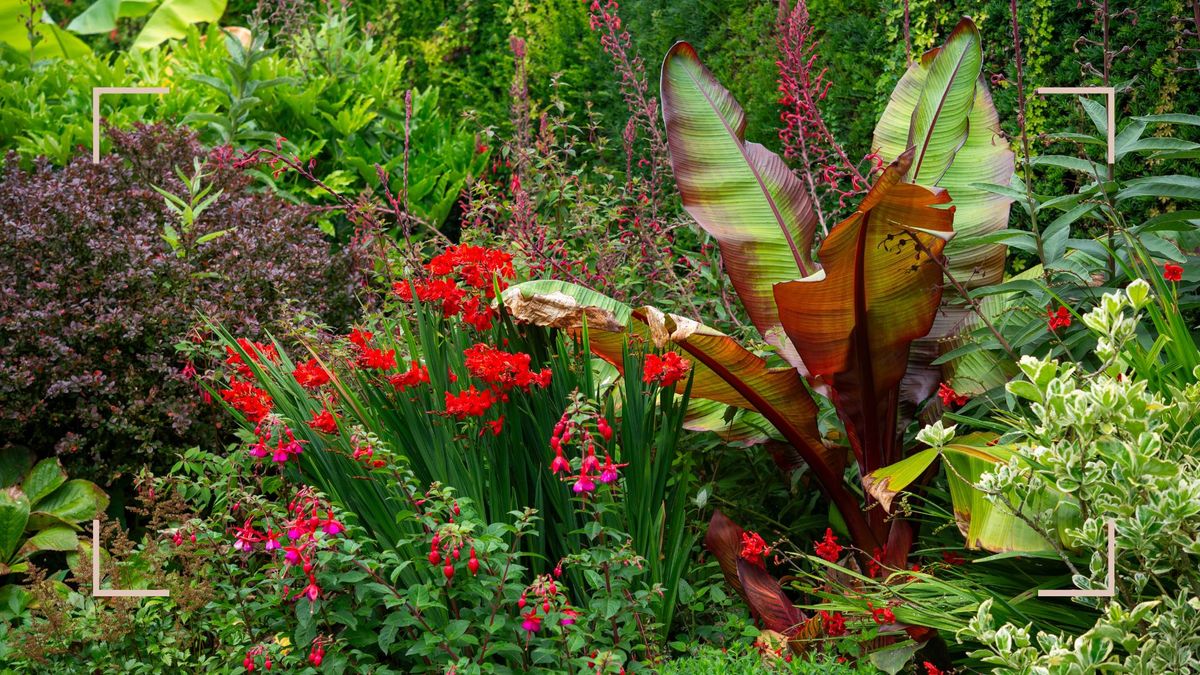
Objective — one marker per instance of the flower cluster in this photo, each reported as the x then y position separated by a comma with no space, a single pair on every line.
949,397
285,446
828,548
311,374
1059,319
500,372
415,375
881,615
464,279
576,425
255,350
665,370
299,538
447,543
547,598
754,549
368,356
254,403
834,623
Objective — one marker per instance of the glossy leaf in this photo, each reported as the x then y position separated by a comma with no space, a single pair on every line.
955,162
172,19
855,320
14,514
75,501
43,479
742,194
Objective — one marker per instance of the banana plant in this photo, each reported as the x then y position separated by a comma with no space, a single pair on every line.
845,324
40,510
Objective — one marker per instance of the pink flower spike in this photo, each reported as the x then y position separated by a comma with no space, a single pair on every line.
312,591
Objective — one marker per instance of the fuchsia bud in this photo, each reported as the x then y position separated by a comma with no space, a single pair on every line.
434,557
560,463
521,602
473,563
456,510
448,570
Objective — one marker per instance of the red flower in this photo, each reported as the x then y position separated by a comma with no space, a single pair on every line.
310,374
828,548
416,374
1059,319
497,425
881,615
377,359
469,403
874,565
324,422
248,399
1172,272
254,350
952,558
664,370
753,548
931,669
834,624
950,397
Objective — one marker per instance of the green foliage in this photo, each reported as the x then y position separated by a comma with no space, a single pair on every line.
742,661
40,511
168,20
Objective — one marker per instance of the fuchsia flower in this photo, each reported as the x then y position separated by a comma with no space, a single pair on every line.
560,463
245,537
292,555
569,616
531,622
331,526
272,540
609,474
583,484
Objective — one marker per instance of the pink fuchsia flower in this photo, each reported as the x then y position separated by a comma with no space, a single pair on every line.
609,472
292,555
312,591
272,540
331,526
530,621
560,463
583,484
590,463
569,616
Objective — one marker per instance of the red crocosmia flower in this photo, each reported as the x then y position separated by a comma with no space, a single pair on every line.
252,402
360,338
664,370
310,374
1059,319
1172,272
950,397
469,403
931,669
952,558
324,422
497,425
881,615
255,350
828,548
834,624
753,548
377,359
416,374
875,564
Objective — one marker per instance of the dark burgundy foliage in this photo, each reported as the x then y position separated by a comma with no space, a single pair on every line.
92,298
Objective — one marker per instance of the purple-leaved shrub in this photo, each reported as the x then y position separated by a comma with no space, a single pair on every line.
93,298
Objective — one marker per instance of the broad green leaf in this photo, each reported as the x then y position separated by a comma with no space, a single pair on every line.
172,19
52,539
854,321
43,479
1171,118
740,193
1079,164
75,501
54,43
14,514
977,173
100,17
940,120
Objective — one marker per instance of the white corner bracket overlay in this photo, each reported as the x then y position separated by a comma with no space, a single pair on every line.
114,592
1110,583
97,92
